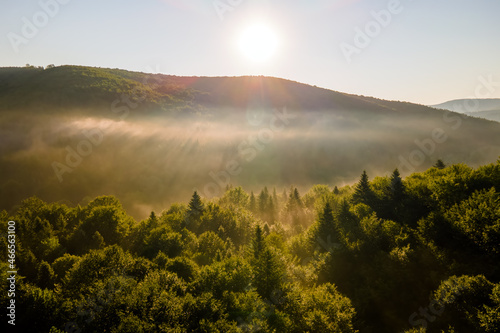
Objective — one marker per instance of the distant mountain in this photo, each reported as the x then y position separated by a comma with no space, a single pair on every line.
72,132
482,108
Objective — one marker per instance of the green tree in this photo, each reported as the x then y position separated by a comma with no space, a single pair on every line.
489,317
41,308
478,219
258,244
195,211
162,239
294,201
229,275
263,201
46,276
35,229
105,215
396,196
112,223
63,265
97,241
235,196
184,267
348,224
271,211
363,192
459,302
275,199
268,274
152,218
316,193
252,205
451,185
284,196
325,231
95,266
210,248
440,164
136,242
397,188
294,211
326,310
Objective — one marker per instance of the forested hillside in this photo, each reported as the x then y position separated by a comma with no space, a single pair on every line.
71,133
390,254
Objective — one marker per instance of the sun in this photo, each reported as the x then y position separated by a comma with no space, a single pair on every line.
258,42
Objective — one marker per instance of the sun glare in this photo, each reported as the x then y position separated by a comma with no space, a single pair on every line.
258,43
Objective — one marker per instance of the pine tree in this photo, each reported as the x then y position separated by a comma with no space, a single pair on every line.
348,225
440,164
397,189
275,199
194,212
258,243
336,190
252,204
326,231
266,229
263,202
271,210
363,192
296,197
196,206
268,275
396,196
152,220
294,200
294,211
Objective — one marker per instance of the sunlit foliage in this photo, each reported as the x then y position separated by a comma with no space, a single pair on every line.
410,254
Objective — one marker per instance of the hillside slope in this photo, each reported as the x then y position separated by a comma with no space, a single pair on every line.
70,133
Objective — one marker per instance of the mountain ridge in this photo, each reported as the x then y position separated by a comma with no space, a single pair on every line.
162,88
485,108
474,104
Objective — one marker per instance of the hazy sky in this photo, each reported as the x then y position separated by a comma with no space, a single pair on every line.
423,51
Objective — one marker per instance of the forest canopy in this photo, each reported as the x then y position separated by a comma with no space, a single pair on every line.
384,255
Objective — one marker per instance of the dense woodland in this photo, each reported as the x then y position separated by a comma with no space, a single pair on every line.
384,255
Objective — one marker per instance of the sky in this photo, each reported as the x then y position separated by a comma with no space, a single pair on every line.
420,51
